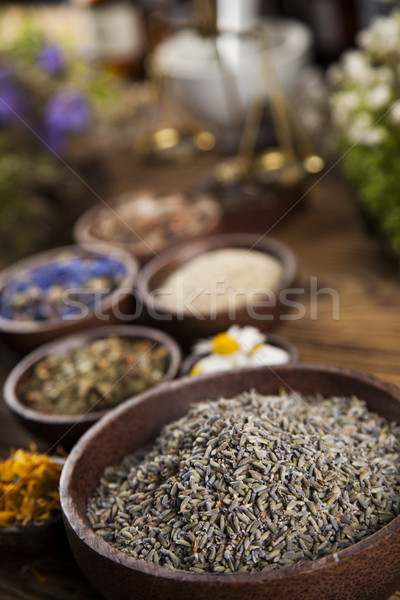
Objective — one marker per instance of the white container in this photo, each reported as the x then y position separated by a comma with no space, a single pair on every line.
219,91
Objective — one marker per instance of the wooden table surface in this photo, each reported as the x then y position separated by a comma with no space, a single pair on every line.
335,253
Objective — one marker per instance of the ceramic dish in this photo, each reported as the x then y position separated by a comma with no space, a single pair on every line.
145,222
272,339
186,326
66,429
19,544
109,307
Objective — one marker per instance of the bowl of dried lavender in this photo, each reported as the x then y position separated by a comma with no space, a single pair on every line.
201,288
256,483
64,290
30,515
60,389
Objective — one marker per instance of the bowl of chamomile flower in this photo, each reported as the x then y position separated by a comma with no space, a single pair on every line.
236,348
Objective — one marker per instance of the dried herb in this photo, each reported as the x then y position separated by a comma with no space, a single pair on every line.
94,377
253,483
60,288
28,488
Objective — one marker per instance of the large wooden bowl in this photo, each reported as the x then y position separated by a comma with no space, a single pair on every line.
368,570
67,429
114,307
185,326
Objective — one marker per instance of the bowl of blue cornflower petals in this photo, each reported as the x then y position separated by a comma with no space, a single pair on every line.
65,290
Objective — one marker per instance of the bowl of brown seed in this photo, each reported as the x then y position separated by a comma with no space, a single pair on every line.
201,288
59,390
256,483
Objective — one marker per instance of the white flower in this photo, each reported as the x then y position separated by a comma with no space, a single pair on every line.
344,104
395,113
261,355
357,68
212,363
382,37
268,355
234,340
378,96
367,135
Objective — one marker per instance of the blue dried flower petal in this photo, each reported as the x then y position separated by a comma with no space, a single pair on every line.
51,59
38,294
67,112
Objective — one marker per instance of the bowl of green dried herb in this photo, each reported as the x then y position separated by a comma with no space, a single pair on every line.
59,390
257,483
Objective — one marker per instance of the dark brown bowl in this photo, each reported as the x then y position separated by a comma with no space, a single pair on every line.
83,228
186,326
368,570
113,308
19,544
272,338
66,429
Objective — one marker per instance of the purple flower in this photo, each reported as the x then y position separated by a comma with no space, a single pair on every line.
12,104
51,59
67,112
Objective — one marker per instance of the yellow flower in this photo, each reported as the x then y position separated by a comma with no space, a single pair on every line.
223,343
236,339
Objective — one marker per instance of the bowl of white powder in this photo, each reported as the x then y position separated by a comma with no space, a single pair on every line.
201,288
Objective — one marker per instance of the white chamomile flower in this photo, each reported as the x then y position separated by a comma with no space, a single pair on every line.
235,339
266,354
211,363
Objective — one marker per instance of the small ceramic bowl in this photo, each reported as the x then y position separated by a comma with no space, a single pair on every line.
29,542
186,326
114,307
141,226
272,339
66,429
20,544
368,570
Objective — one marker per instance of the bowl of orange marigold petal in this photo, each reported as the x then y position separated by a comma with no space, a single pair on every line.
30,517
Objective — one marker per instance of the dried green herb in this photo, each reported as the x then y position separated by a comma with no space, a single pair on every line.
94,377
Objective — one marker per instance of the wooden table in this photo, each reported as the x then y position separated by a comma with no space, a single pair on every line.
335,253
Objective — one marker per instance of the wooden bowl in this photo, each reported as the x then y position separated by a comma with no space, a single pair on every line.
368,570
185,325
66,429
19,544
84,229
112,308
272,339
